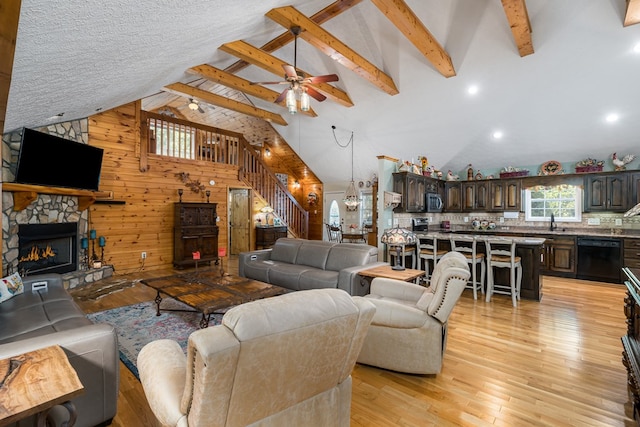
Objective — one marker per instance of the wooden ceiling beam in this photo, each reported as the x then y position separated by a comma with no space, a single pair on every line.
268,62
632,16
183,89
232,81
317,36
417,33
329,12
518,17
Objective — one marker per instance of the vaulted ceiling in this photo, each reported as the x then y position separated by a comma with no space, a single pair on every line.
547,74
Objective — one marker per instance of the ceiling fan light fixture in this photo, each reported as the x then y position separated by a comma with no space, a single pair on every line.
193,105
291,101
305,101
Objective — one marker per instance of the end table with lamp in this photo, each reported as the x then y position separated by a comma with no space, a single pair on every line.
403,242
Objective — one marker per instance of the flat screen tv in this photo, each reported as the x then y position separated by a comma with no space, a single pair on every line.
57,162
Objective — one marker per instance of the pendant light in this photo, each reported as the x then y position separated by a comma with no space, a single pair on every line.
351,198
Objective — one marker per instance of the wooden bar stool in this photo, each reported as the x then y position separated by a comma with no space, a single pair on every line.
501,253
467,246
428,251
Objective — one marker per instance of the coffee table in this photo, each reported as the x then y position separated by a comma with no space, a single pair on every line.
407,275
207,291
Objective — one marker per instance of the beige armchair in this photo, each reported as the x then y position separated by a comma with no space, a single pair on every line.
408,332
284,360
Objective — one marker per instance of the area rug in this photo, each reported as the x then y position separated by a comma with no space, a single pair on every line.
138,325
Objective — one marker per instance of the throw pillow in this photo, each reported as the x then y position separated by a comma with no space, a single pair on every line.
10,286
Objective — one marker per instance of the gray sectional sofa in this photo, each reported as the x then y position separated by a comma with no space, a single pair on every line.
38,319
300,264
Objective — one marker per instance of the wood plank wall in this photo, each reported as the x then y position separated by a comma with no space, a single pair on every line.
145,221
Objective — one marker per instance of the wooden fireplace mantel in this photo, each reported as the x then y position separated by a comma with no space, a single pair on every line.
24,194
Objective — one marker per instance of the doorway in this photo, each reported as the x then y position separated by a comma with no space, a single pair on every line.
239,220
334,210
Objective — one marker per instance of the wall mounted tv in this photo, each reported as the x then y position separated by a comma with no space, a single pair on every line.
57,162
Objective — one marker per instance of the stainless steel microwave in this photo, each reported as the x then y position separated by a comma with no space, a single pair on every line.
433,202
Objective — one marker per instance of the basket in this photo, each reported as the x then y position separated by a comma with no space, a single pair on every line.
587,169
513,174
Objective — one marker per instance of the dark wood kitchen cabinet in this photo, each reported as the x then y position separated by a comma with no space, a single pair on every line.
631,254
412,188
634,183
631,339
453,196
194,230
475,195
559,256
606,193
504,195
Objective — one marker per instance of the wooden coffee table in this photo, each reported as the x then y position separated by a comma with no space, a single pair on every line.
207,291
407,275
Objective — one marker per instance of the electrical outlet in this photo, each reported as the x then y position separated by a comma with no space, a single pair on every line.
618,221
466,219
593,221
501,220
143,255
430,219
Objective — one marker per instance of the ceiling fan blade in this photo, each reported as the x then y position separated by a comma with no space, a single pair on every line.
281,97
315,94
290,71
270,83
322,79
200,109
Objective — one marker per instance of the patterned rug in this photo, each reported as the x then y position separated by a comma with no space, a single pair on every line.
138,325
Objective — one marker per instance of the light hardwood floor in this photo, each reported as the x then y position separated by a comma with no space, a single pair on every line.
551,363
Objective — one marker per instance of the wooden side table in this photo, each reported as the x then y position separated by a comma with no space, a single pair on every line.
407,275
34,382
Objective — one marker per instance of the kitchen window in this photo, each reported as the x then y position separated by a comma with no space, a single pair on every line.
563,201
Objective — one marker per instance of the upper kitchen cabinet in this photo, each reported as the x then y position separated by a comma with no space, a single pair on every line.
413,188
475,195
606,193
634,182
453,196
504,195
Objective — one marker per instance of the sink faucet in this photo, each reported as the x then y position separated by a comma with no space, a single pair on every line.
553,225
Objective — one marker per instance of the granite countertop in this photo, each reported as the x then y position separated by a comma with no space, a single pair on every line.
486,234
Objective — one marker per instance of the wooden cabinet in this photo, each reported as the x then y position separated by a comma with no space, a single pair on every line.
559,256
267,236
475,195
504,195
631,254
413,188
606,193
194,230
631,339
453,196
634,194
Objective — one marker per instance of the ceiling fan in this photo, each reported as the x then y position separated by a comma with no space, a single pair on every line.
299,85
194,105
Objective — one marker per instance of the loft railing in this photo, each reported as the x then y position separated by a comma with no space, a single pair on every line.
167,136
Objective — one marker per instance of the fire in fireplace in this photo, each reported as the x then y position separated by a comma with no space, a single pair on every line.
47,248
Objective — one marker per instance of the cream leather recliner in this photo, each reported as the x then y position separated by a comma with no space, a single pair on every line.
280,361
408,332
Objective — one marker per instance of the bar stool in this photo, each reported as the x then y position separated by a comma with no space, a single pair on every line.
428,251
501,253
467,246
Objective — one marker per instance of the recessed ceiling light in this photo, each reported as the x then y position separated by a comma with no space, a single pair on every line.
472,90
611,118
497,134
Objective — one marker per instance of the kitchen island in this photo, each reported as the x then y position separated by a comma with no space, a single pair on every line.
529,249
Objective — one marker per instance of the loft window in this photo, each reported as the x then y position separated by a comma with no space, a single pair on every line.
564,201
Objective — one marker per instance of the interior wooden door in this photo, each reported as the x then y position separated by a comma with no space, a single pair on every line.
239,221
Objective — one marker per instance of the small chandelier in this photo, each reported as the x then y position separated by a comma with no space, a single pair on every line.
291,99
351,198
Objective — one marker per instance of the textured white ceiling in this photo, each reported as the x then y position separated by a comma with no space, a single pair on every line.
76,57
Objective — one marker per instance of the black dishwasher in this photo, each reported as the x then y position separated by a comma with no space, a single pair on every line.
599,258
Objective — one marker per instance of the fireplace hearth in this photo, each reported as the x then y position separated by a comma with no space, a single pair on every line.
47,248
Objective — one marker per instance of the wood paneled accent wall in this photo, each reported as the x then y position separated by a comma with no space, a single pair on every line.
145,221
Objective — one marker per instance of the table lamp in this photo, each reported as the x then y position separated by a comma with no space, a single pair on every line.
398,237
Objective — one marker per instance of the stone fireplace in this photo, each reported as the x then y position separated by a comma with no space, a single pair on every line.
58,216
47,248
